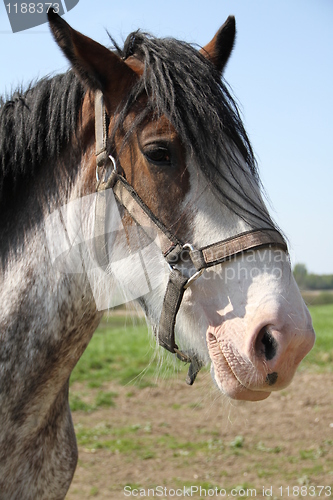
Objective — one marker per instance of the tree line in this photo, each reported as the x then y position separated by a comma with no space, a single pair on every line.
311,281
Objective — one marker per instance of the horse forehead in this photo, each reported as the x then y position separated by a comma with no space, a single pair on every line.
160,127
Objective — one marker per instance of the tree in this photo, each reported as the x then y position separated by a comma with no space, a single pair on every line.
300,274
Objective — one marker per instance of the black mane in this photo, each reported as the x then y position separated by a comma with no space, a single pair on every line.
35,125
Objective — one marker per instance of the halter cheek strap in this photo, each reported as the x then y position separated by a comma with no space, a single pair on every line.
171,247
101,132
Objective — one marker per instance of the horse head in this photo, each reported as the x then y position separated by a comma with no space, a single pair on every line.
174,152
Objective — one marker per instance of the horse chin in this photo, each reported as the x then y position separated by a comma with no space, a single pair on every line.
225,378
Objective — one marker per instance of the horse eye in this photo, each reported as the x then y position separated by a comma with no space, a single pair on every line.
158,155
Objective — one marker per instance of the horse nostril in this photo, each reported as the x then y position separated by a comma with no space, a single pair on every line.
266,344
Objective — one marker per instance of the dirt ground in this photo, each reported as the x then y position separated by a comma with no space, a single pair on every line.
283,444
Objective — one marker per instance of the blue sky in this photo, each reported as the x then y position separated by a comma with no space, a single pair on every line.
281,72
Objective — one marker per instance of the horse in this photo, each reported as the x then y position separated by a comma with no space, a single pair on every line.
131,176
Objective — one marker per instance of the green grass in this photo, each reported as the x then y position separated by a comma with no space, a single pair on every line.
321,356
103,399
122,350
140,441
118,351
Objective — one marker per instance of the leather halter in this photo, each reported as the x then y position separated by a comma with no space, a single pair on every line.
171,246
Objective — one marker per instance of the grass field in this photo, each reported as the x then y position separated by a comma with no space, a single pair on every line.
321,356
125,422
122,350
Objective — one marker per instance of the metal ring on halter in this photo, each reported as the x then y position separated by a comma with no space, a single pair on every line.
113,163
188,245
193,278
114,168
196,275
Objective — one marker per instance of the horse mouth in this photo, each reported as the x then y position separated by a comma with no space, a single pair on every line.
224,365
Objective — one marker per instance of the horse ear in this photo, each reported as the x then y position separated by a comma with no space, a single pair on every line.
97,66
218,50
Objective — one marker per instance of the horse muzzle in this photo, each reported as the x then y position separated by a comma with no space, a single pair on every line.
249,362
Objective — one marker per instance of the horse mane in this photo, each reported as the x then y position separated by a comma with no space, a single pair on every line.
35,125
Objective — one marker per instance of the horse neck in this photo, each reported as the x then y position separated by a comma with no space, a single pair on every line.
47,316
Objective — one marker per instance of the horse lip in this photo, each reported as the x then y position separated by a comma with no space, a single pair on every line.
240,391
228,364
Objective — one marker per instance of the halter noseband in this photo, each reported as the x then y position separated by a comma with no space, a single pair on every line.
171,246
